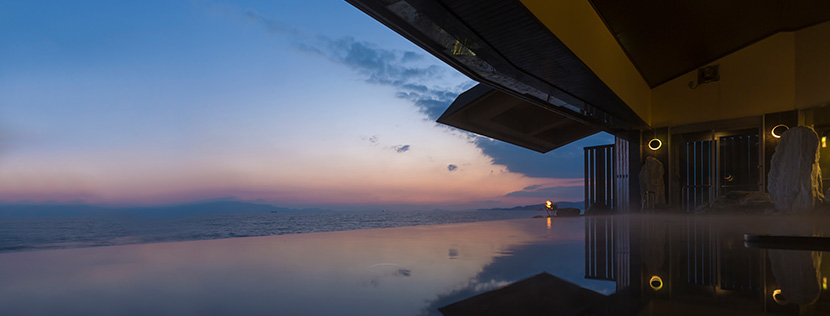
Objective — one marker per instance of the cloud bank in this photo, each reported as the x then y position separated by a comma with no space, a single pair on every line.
401,70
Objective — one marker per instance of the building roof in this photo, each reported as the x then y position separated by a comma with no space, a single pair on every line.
511,48
480,39
492,113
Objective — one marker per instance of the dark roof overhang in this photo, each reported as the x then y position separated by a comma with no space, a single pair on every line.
503,45
492,113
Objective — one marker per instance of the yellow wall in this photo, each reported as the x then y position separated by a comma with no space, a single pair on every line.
786,71
812,67
755,80
579,27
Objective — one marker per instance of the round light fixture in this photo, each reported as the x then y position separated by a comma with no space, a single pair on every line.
778,297
655,144
779,130
656,283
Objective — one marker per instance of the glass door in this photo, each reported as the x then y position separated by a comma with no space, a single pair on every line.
738,162
695,173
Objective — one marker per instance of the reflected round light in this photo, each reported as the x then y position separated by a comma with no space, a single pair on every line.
778,297
656,283
655,144
779,130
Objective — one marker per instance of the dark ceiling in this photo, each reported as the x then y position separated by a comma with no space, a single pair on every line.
667,38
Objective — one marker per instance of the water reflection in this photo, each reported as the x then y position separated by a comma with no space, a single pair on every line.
655,265
697,264
395,271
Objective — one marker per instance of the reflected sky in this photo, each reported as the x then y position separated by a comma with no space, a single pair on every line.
397,271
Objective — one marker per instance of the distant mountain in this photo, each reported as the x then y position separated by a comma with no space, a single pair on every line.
52,210
540,207
209,207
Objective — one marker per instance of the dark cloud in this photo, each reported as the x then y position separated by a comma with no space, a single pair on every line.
452,167
453,253
550,192
373,140
532,187
401,148
564,162
411,56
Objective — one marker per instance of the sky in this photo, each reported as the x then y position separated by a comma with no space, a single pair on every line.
292,103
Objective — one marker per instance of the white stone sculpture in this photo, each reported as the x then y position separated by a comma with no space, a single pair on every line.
794,176
651,181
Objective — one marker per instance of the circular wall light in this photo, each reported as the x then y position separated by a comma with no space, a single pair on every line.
656,283
778,297
655,144
779,130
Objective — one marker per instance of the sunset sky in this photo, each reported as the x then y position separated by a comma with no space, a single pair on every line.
293,103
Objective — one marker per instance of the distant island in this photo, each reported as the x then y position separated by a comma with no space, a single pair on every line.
204,207
533,207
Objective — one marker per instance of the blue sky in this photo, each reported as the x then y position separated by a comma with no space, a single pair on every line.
295,103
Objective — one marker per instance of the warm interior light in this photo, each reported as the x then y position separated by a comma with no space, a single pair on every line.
824,283
779,130
778,297
656,283
655,144
824,142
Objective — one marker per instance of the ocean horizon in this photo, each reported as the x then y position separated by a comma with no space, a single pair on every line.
72,230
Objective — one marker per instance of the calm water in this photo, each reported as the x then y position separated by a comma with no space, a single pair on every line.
393,271
32,233
702,265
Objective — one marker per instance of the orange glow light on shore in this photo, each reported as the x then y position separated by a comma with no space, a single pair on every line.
548,204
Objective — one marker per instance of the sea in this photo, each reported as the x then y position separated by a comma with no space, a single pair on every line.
28,233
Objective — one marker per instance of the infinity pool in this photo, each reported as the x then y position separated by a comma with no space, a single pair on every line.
394,271
643,265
